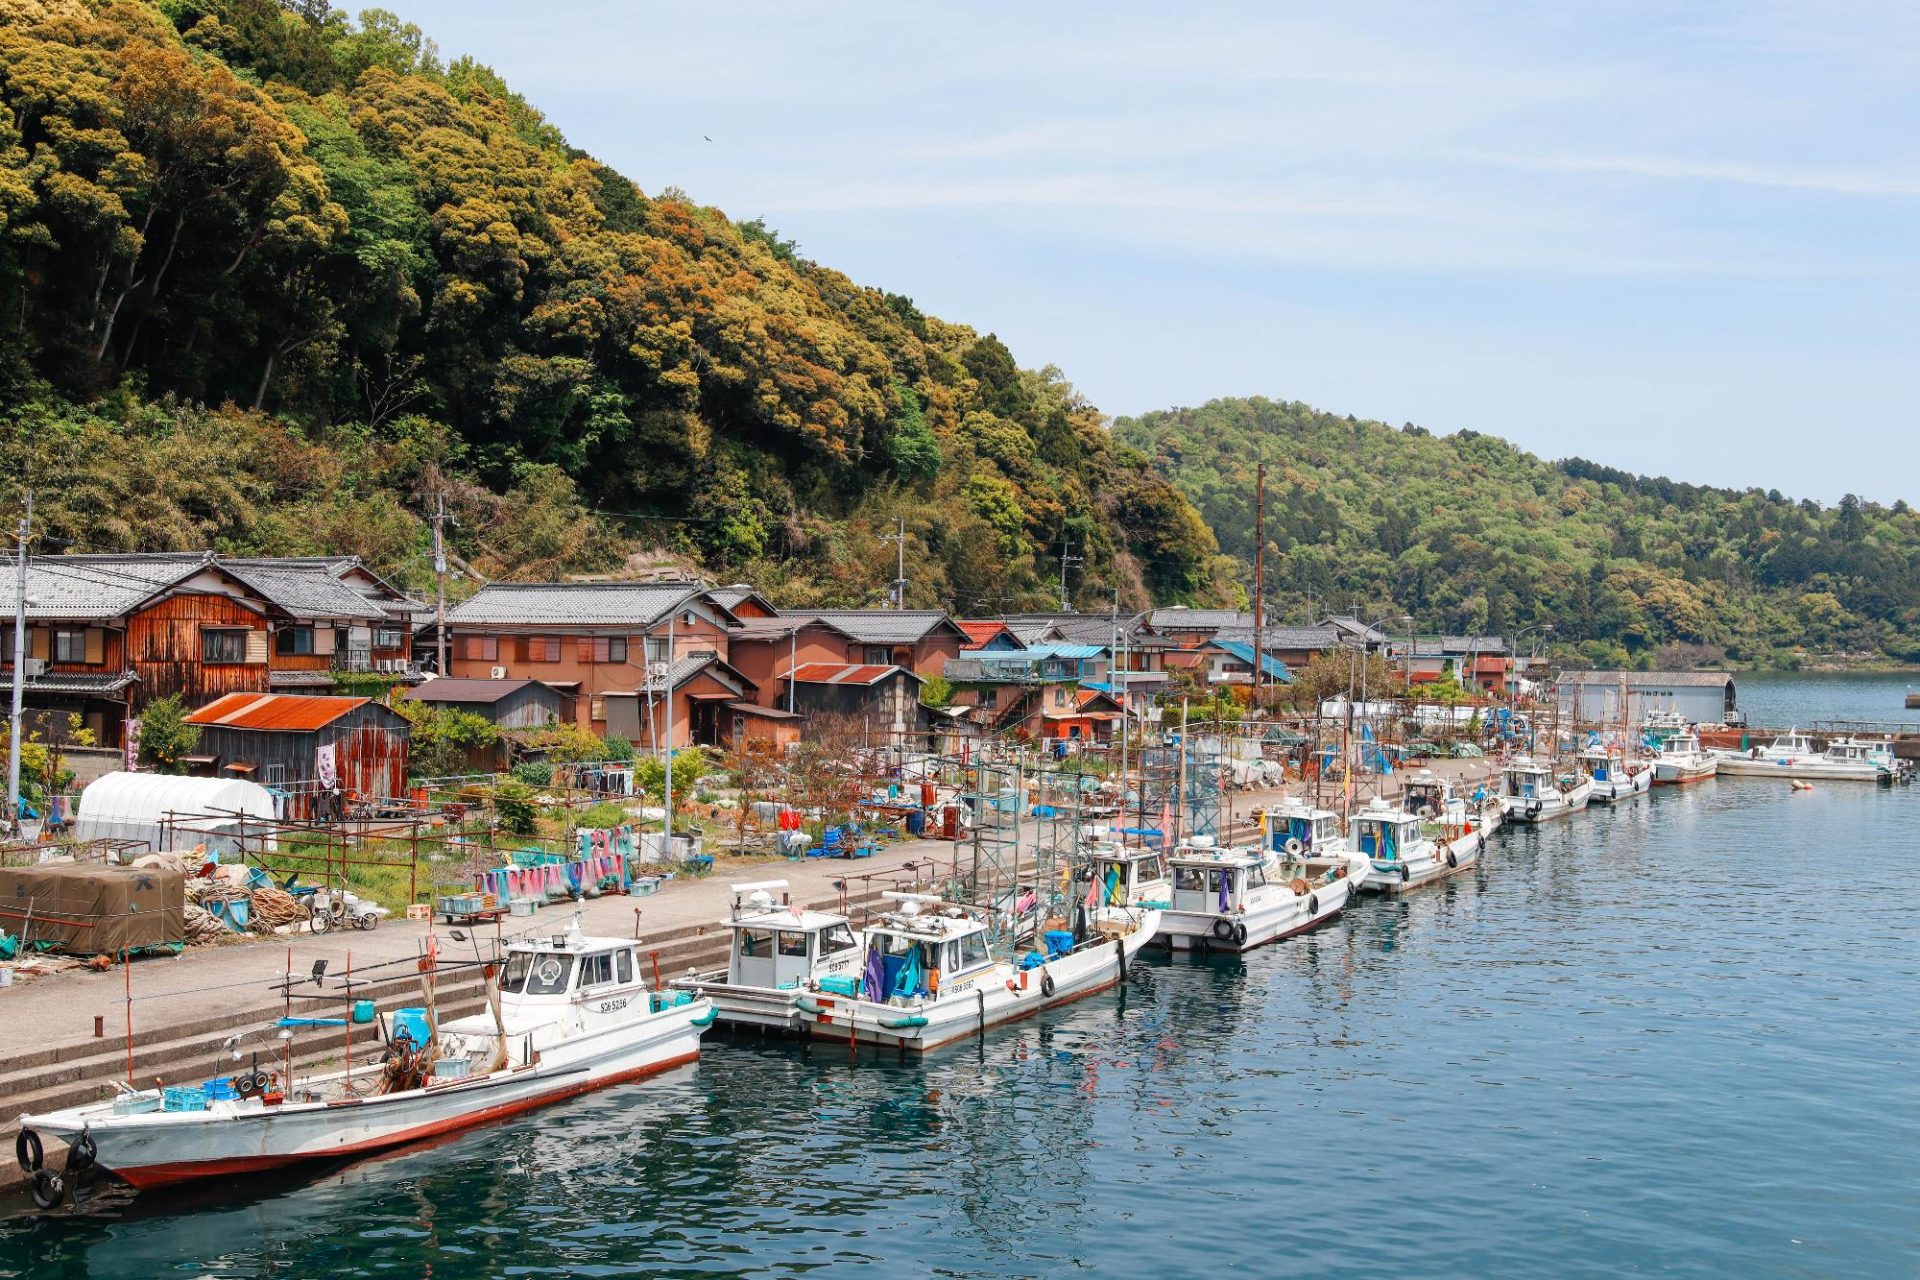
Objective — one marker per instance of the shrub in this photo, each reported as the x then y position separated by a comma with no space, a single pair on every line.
513,801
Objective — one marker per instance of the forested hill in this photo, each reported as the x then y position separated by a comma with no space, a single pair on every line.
271,278
1469,533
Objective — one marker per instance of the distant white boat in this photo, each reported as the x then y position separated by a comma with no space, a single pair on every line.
1615,776
1405,851
1531,792
1681,762
1791,755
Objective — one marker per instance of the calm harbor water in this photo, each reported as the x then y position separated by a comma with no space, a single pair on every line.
1675,1038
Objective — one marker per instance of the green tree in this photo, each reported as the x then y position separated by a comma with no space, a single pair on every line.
165,735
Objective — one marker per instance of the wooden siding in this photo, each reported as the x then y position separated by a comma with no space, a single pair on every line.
163,646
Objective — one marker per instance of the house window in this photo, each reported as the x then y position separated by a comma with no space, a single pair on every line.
69,644
542,648
480,648
597,709
656,648
611,649
387,638
293,641
877,655
223,644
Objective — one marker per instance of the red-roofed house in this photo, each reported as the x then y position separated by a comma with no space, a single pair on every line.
304,746
991,635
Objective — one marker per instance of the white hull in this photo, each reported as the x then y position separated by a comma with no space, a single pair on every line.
1680,773
1615,790
1437,861
975,1002
1810,769
161,1148
1549,806
1275,914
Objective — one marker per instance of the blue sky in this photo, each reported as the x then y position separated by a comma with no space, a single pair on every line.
1676,238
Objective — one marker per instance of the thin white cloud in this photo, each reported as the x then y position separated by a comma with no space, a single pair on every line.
1751,175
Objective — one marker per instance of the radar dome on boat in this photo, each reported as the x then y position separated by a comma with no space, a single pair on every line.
1201,842
761,899
1377,804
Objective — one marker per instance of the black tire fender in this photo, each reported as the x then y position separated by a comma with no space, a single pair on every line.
1405,875
48,1188
82,1155
27,1149
1313,904
1223,928
1046,984
1452,861
1240,934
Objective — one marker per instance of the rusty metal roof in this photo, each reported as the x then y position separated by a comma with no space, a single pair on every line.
282,712
843,673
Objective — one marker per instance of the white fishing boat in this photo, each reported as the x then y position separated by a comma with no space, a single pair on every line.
570,1014
1615,776
1792,755
776,954
934,972
1430,796
1681,762
1531,792
1300,829
1405,851
1235,899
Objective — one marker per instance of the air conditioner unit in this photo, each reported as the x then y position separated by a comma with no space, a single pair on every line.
33,668
499,673
656,671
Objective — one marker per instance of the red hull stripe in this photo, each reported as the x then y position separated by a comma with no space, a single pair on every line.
146,1177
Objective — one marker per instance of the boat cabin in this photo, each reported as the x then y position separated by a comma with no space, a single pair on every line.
1681,743
1215,881
1129,874
913,953
1525,779
780,947
1791,743
1312,828
1384,834
1426,794
1859,751
1602,764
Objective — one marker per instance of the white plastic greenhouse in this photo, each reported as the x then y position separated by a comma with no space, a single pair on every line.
137,806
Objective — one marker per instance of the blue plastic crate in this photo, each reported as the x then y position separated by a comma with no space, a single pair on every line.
183,1097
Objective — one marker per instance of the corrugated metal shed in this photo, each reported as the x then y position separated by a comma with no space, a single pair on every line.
279,712
1650,679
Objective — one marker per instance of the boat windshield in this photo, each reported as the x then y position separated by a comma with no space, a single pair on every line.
836,938
536,973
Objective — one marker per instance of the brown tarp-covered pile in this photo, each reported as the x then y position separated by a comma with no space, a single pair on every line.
92,910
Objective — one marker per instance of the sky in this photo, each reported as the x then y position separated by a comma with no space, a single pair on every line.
1677,238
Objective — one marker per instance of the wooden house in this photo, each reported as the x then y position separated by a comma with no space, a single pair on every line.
305,748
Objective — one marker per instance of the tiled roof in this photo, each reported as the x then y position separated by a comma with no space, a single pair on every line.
580,604
299,680
880,626
465,689
305,590
844,673
686,667
1438,646
1650,679
74,682
1180,618
281,712
778,628
1271,638
737,594
94,586
979,633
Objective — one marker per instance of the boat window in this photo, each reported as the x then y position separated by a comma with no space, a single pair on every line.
1190,878
756,943
1218,879
1256,876
596,969
536,974
793,942
952,963
973,950
836,938
624,961
1150,869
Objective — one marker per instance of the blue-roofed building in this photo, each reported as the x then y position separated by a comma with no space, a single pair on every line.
1231,662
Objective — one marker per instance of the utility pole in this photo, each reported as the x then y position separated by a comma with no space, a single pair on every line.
19,671
899,538
1259,572
666,679
440,580
1066,606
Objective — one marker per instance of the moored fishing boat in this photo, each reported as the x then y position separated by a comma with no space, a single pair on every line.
776,954
1405,851
1235,899
935,972
1531,792
1681,762
570,1014
1615,777
1792,755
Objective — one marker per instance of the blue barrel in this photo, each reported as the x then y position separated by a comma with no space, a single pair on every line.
916,822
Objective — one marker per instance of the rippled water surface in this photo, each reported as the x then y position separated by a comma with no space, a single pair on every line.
1675,1038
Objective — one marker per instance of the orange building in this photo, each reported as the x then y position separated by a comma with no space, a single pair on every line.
643,660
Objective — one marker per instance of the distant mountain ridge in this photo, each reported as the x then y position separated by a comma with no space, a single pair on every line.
1469,533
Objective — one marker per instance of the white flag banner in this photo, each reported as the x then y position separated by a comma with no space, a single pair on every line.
323,767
